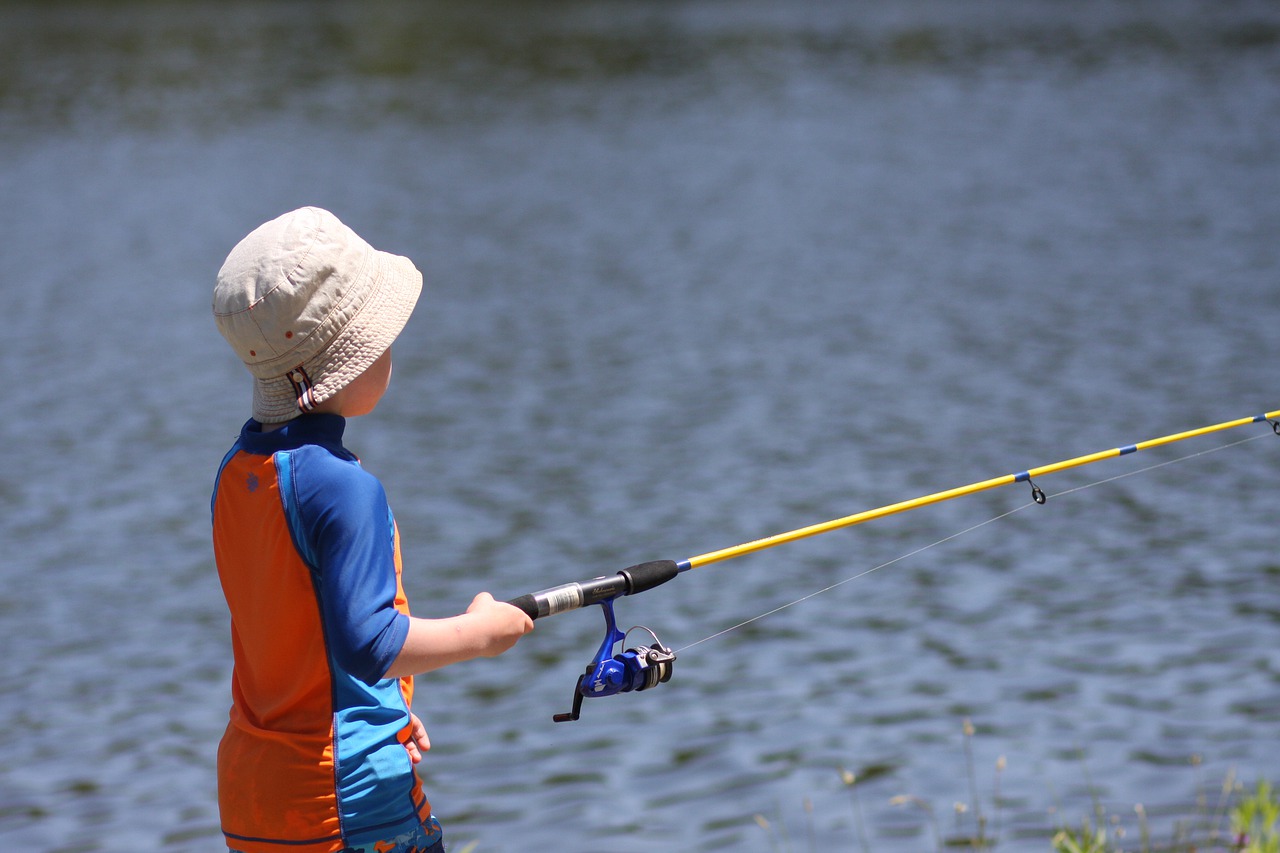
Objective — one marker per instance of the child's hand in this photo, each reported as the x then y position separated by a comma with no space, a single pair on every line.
418,741
487,629
500,623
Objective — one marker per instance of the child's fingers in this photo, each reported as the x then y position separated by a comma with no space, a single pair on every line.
418,741
482,600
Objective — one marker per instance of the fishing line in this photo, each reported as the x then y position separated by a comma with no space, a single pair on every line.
967,530
898,559
1157,465
644,667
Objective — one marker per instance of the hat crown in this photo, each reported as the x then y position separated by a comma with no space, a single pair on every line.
308,306
288,288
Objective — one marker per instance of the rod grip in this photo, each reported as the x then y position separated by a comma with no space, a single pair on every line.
571,596
648,575
527,603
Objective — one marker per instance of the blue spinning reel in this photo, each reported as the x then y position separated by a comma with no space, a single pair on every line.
636,668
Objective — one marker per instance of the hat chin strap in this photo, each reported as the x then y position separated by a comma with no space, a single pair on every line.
302,386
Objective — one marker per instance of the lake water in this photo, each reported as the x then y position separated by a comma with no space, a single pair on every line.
697,272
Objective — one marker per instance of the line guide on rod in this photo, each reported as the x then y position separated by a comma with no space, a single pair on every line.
641,668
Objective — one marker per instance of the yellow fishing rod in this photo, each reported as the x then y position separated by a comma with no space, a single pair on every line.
641,668
973,488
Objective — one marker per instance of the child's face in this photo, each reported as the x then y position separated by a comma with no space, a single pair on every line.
362,395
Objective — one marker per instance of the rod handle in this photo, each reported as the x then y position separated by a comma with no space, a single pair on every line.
527,603
571,596
645,576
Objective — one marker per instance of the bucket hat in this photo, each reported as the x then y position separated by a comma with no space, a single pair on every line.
308,306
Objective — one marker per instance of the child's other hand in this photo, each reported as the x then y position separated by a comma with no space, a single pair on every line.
418,741
500,623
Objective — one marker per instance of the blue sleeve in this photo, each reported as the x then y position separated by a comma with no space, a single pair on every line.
351,536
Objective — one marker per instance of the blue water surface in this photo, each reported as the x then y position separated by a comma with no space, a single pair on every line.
696,273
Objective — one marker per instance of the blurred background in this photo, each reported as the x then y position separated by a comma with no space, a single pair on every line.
697,271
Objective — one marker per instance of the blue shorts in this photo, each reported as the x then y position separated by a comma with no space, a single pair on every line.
425,838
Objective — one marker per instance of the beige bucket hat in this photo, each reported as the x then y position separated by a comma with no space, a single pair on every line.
308,306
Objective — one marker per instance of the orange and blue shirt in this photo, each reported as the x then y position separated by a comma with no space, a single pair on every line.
313,758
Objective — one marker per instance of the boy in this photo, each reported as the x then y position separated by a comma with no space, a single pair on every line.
319,752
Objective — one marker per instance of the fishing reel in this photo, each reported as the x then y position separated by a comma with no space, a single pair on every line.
636,668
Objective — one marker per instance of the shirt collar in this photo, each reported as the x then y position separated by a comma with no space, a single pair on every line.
323,429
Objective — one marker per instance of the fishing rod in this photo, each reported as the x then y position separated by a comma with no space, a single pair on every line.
645,667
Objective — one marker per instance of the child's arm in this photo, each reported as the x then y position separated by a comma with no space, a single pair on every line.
487,629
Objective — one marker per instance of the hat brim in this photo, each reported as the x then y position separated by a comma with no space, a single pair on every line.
369,334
